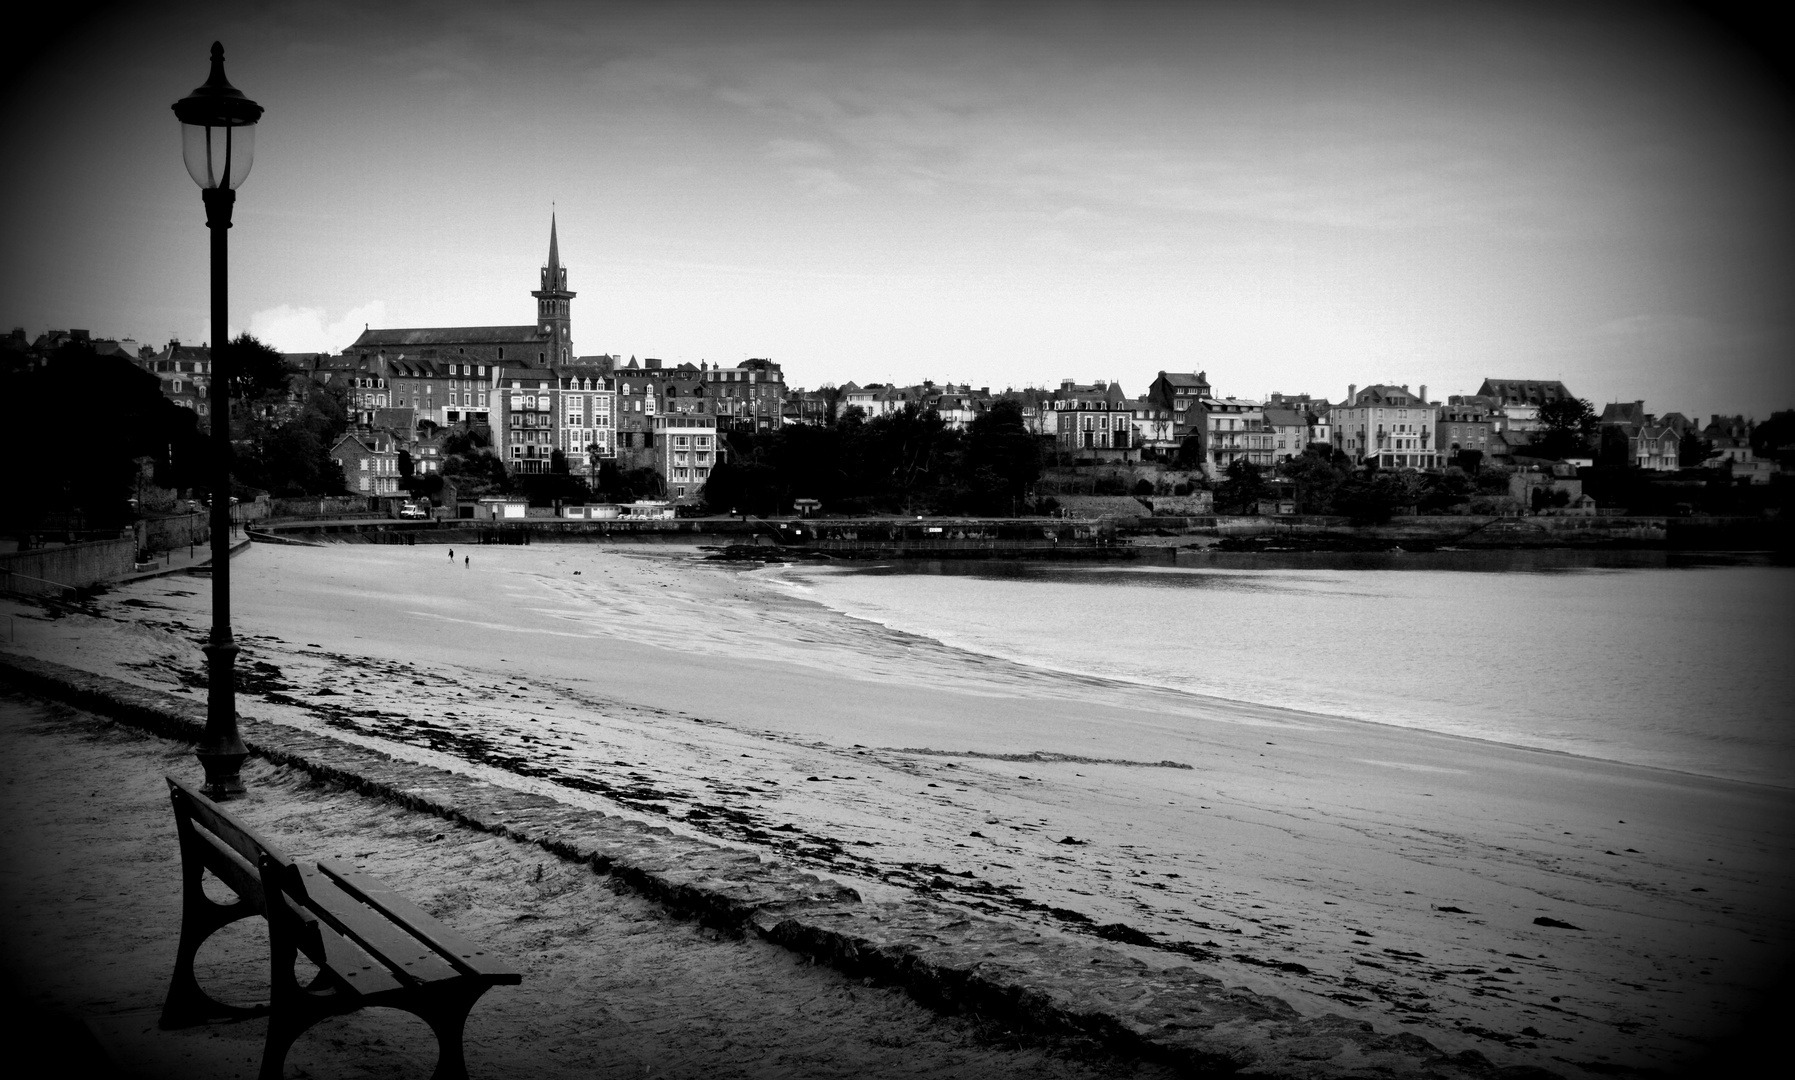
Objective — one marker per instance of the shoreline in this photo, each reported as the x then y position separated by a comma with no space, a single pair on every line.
1257,861
791,577
1548,532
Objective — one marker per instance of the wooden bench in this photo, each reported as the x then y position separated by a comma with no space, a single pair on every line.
370,945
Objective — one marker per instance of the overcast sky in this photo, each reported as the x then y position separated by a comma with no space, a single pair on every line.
1289,196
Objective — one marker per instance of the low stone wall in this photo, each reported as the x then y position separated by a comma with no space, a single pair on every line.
52,570
320,508
169,533
1459,530
1182,505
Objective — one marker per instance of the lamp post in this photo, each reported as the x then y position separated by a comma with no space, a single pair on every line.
218,145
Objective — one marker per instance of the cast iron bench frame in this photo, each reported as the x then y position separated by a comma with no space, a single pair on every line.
372,947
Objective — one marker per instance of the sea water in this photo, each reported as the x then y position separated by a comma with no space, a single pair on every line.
1628,657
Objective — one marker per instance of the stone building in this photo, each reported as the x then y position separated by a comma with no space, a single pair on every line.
370,462
1095,421
1231,429
547,341
1390,425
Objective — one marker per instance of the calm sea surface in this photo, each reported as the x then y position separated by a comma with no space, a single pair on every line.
1645,657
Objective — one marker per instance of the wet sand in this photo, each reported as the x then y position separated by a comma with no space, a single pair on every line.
1386,874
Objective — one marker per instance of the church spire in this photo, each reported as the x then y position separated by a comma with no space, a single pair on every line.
552,303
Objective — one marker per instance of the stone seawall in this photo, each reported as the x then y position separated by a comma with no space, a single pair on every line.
942,955
1484,531
179,531
52,570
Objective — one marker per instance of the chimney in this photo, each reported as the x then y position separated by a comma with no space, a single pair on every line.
1352,392
1423,393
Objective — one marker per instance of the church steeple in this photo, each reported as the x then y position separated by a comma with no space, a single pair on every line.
553,303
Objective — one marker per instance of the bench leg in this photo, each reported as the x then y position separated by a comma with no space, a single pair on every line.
446,1013
186,1004
294,1009
286,1024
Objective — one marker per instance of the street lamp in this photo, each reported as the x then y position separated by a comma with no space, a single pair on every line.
218,127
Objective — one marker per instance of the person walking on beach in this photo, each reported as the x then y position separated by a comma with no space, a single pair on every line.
465,565
451,554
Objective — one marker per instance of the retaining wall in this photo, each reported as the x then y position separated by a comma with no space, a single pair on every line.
169,533
52,570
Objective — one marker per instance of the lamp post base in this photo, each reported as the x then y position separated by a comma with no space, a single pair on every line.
223,779
221,750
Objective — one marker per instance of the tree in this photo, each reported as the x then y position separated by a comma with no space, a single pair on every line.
90,481
551,488
1001,460
1566,427
1774,434
256,370
1372,498
1692,449
1190,453
288,455
1242,487
1442,491
1316,477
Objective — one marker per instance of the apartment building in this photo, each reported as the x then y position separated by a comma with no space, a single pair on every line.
1389,425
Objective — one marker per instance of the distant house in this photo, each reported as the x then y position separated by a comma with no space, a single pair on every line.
1390,425
370,462
1518,401
1314,412
1180,392
1155,430
1232,429
689,450
1556,485
1289,430
185,374
1466,422
1655,447
1095,421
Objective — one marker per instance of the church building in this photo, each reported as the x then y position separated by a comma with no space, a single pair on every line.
474,351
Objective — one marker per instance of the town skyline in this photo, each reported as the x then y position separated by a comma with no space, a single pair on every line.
1290,199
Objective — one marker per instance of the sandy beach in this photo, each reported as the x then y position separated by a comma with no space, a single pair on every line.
614,986
1540,908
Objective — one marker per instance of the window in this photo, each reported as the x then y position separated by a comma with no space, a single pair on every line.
501,357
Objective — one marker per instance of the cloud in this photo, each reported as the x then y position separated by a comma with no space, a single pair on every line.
822,182
302,329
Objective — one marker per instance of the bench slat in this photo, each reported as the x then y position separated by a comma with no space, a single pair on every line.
459,951
221,824
407,957
361,973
